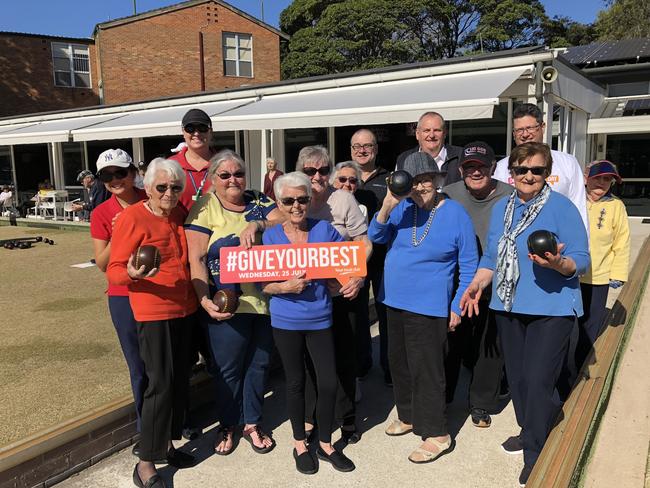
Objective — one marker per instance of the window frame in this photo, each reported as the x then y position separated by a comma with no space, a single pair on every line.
224,49
71,58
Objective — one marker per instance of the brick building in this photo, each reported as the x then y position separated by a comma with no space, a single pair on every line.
44,73
186,48
194,46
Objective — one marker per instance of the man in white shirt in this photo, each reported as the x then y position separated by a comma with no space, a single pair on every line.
566,174
430,134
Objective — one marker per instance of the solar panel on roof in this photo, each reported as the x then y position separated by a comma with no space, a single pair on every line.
639,106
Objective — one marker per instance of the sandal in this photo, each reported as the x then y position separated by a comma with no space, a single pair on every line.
422,455
226,435
397,427
247,434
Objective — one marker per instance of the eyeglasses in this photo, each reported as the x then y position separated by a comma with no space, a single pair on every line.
344,179
323,171
108,176
226,176
191,128
359,147
522,170
530,128
162,189
424,181
289,201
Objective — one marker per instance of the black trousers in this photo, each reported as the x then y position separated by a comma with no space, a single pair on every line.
292,346
346,366
416,353
475,343
375,276
164,348
360,321
594,301
534,350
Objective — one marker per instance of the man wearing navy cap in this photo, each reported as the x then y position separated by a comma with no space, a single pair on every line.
476,338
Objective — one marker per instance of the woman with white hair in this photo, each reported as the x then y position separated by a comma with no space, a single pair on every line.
340,209
240,343
301,314
272,174
161,298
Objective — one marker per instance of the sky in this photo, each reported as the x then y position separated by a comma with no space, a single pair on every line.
77,18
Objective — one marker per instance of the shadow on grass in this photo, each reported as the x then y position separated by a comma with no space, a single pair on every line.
66,304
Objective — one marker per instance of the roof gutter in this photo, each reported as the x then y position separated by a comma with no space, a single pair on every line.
615,68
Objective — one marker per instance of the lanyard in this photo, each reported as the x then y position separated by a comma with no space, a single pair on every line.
198,190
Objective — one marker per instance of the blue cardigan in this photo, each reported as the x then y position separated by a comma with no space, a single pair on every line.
542,291
311,309
421,279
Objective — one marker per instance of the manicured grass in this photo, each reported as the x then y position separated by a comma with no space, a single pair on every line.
59,353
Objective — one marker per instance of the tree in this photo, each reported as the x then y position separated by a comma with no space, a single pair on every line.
562,32
624,19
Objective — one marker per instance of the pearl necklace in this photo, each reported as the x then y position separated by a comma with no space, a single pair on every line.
414,240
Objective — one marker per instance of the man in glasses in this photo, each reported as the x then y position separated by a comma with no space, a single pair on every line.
371,192
430,134
195,156
566,175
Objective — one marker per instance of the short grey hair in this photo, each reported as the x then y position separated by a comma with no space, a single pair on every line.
223,156
296,179
313,154
361,131
268,160
432,114
169,166
346,164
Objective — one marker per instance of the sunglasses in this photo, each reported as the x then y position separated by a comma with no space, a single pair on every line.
226,176
108,176
344,179
289,201
162,189
192,128
522,170
323,171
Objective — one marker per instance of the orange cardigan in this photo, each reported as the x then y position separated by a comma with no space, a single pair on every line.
169,294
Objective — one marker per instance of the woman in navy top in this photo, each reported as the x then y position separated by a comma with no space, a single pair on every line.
428,238
301,317
535,299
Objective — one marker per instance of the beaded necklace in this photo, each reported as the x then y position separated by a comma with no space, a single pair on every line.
414,240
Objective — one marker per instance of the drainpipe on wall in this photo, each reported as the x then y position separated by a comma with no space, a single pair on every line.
201,61
539,85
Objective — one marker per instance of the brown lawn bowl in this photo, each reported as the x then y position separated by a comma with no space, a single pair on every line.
147,256
227,300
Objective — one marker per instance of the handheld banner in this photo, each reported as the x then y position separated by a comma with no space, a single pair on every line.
340,260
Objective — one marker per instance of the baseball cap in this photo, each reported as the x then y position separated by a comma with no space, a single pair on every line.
196,116
604,167
479,152
419,163
113,157
83,174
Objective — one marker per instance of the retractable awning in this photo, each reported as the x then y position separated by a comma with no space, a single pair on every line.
456,96
622,116
50,130
164,121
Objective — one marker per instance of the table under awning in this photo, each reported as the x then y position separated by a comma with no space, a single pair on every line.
458,96
153,122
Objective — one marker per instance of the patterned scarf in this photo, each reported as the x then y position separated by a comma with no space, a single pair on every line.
507,259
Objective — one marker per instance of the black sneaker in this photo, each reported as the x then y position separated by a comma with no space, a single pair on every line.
480,418
304,462
525,474
513,445
337,459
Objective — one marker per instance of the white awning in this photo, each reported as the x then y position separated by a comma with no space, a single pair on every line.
456,96
620,125
153,122
50,130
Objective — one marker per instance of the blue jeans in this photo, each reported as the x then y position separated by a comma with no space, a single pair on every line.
241,352
127,333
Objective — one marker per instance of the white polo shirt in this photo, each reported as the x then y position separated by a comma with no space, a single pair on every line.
566,178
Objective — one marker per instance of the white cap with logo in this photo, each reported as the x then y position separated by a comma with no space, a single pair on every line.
113,157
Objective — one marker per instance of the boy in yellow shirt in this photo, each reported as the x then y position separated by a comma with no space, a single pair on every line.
609,246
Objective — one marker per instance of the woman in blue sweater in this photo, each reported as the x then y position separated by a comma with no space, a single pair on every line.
301,317
428,238
536,299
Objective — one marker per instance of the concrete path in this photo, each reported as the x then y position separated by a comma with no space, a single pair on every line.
477,461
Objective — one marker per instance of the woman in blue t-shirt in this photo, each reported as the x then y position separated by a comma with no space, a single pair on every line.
301,317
